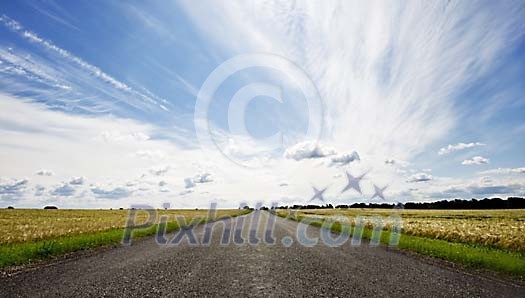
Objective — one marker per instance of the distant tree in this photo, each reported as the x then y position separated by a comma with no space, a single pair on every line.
10,207
120,208
50,207
486,203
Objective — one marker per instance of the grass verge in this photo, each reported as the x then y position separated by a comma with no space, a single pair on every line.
29,252
472,256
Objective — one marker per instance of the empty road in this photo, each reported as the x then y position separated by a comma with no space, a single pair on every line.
146,269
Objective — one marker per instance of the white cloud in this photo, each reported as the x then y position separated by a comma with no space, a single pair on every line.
197,179
345,158
390,161
71,73
77,181
458,147
188,182
306,150
503,171
387,84
12,189
420,177
64,190
44,173
480,191
203,178
388,89
39,190
159,170
112,193
476,160
119,136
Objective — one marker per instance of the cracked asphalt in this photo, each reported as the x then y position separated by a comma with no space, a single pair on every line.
146,269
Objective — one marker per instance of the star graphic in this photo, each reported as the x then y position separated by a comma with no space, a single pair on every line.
353,182
318,194
378,192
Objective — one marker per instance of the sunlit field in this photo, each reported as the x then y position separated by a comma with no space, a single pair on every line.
28,235
22,225
503,229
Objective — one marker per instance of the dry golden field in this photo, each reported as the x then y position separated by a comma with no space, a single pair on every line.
497,228
23,225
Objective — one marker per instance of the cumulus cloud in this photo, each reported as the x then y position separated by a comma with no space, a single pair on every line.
64,190
419,177
12,189
306,150
77,181
162,183
203,178
476,160
39,190
159,171
199,178
188,182
458,147
312,150
115,193
44,173
503,171
345,158
390,161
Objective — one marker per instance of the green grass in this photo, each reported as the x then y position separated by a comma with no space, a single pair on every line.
468,255
29,252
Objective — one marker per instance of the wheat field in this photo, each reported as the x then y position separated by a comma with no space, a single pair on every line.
25,225
503,229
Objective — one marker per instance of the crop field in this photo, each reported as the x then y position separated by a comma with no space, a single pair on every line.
21,225
27,235
504,229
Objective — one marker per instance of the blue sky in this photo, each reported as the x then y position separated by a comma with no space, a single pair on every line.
99,101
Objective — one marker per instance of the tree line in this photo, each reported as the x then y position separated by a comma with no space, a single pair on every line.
486,203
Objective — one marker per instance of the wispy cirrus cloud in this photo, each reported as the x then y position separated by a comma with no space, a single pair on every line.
388,77
69,76
392,77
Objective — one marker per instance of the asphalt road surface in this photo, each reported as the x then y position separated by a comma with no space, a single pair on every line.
146,269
